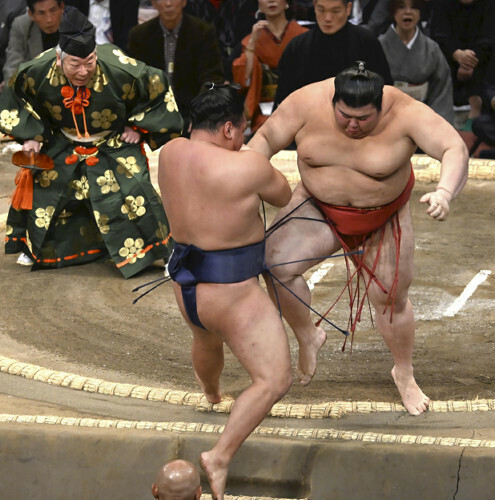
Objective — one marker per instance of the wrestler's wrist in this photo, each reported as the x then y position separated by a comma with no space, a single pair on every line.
450,193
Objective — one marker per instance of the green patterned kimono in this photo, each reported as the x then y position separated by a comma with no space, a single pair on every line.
98,200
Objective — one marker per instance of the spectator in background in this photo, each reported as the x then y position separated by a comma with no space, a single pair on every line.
416,62
304,11
484,125
112,18
328,48
426,13
185,47
371,14
232,19
8,12
177,480
465,31
256,69
32,33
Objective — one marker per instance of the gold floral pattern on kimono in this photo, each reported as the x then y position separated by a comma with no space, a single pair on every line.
63,217
98,81
55,111
29,108
108,182
104,119
55,76
123,58
102,222
133,207
9,119
8,230
70,130
45,178
128,166
137,118
132,249
129,91
170,100
81,186
28,241
28,84
115,142
155,86
44,216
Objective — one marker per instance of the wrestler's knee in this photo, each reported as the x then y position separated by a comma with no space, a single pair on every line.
382,301
281,382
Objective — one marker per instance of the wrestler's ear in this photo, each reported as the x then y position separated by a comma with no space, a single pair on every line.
154,490
228,128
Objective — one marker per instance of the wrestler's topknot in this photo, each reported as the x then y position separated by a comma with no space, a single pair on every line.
215,105
357,87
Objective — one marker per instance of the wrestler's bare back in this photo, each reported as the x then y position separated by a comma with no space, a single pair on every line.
366,171
212,195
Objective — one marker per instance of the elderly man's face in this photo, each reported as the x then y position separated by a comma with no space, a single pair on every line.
47,14
78,70
331,15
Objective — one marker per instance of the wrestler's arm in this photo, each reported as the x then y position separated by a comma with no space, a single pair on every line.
438,139
271,184
281,127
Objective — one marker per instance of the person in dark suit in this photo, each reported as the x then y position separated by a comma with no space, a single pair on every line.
233,20
184,46
32,33
371,14
484,125
123,16
465,31
331,46
8,12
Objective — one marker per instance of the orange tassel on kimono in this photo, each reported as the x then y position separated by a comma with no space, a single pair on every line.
22,198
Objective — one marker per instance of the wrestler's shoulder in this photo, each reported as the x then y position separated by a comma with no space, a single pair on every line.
173,146
307,97
249,155
401,104
254,164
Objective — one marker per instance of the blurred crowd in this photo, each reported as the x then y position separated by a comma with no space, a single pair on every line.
437,51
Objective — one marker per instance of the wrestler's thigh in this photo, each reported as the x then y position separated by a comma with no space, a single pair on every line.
205,338
385,270
249,323
303,235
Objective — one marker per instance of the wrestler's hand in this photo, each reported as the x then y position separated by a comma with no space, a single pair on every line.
31,145
130,136
439,202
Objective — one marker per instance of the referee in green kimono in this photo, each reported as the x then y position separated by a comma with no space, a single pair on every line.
90,108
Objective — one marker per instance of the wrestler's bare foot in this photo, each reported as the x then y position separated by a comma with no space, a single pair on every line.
413,398
211,391
306,363
216,472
